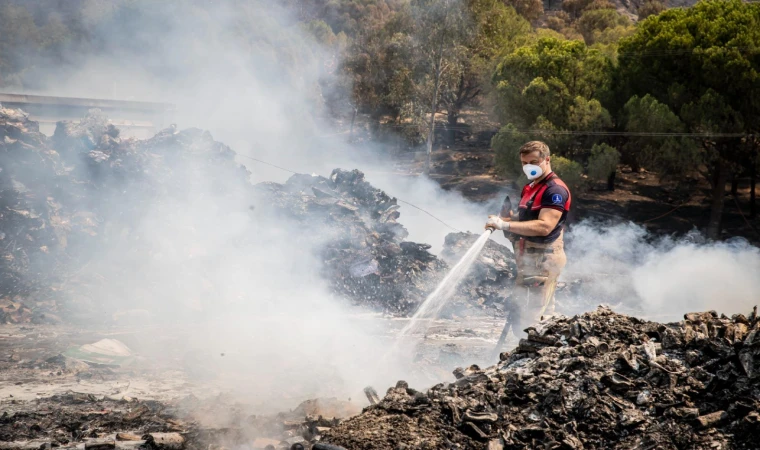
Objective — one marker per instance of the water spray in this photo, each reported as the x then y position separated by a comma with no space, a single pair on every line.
434,303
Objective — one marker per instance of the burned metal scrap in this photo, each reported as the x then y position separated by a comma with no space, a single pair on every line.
599,380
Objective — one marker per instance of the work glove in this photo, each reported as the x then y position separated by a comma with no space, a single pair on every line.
497,223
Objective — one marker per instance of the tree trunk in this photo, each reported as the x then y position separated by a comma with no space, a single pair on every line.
453,118
718,197
611,181
351,131
431,131
734,186
752,182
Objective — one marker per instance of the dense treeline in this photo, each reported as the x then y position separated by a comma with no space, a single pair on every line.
676,91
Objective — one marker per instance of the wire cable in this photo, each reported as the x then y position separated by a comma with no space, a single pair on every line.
585,132
268,164
434,217
402,201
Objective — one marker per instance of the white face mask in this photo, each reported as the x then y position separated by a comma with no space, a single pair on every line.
532,171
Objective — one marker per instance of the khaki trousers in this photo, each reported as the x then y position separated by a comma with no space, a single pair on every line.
538,268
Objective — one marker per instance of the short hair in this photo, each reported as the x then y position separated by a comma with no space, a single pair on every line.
535,146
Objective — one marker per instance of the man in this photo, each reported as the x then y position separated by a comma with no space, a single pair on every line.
537,236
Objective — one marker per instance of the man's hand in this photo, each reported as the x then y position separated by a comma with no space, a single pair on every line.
547,220
497,223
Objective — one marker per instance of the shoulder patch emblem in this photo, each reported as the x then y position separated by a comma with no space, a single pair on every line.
557,199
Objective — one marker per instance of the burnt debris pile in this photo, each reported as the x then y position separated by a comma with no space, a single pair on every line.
29,213
68,420
596,381
86,199
363,249
65,199
355,232
79,420
490,280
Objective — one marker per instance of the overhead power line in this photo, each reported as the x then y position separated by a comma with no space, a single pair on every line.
587,132
700,51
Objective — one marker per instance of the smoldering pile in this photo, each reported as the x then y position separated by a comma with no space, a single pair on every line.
66,200
491,279
600,380
79,420
364,252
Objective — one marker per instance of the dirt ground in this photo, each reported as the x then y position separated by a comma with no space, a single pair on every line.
49,398
202,392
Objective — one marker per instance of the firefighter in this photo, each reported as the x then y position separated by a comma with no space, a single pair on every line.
536,233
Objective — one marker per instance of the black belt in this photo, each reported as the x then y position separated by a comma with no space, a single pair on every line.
539,250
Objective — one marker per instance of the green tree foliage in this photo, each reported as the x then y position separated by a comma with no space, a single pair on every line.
702,63
559,21
602,164
499,29
531,10
553,79
393,66
506,145
551,87
650,8
380,65
603,25
575,7
656,148
321,32
29,35
347,16
443,32
571,172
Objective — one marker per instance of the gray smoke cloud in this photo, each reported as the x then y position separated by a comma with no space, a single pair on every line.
248,284
662,278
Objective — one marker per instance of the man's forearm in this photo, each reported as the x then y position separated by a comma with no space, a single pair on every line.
530,228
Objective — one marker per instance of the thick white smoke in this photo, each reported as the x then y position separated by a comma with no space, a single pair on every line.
249,284
660,277
689,277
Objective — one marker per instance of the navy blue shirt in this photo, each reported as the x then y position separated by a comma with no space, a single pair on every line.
552,193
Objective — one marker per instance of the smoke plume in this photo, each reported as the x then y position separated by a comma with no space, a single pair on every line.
248,284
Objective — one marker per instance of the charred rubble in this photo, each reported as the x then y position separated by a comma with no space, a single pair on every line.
76,420
491,279
596,381
361,244
365,255
65,199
